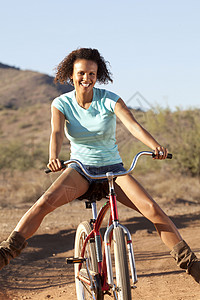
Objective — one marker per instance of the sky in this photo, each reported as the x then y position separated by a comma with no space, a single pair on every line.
153,46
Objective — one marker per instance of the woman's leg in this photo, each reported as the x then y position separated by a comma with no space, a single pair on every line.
69,186
133,195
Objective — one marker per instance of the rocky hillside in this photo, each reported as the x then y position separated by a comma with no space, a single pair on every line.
24,88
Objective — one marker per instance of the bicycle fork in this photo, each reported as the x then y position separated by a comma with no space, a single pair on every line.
108,253
115,223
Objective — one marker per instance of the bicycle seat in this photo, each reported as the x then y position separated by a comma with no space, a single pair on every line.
96,191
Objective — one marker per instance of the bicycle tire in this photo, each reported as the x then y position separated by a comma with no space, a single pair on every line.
82,291
121,265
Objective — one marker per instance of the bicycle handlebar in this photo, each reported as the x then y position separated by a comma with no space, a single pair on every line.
103,176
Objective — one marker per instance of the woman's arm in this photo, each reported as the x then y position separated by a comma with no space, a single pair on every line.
126,117
56,139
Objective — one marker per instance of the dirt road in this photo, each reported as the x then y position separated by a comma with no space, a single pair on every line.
41,273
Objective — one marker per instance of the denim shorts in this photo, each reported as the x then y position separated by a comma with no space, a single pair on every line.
116,168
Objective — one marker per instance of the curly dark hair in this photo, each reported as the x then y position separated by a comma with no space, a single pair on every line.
64,70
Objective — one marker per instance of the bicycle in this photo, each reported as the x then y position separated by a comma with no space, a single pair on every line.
94,276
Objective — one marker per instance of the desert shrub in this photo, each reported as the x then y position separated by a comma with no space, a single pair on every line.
19,156
16,155
187,145
179,131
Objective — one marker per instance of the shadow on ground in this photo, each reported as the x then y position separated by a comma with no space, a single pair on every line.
42,264
141,223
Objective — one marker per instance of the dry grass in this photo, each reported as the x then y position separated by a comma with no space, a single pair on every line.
26,187
171,187
23,187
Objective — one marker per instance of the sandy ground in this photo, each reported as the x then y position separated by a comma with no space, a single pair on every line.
41,272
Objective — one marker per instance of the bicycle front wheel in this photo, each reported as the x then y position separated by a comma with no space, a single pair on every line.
121,265
83,289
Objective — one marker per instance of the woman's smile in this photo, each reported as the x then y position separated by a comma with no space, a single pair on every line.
84,77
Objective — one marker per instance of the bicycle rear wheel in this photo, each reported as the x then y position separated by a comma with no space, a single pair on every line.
121,265
83,289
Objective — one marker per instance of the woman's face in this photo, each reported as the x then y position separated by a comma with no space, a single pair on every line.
84,76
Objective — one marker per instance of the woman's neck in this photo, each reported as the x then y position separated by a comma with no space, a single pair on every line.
84,100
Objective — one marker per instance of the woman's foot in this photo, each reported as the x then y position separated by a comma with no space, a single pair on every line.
186,259
11,248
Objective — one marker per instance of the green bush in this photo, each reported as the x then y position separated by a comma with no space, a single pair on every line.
179,131
20,156
15,155
187,145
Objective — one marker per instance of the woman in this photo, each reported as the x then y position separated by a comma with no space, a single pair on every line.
90,118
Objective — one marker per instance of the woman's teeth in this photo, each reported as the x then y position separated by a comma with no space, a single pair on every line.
85,84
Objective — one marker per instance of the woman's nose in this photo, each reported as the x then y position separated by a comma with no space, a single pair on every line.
86,76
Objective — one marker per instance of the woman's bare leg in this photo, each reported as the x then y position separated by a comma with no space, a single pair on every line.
133,195
69,186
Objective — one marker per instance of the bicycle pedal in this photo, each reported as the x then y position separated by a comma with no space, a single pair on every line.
75,260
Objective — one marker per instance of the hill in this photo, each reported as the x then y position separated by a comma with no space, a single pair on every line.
20,88
25,98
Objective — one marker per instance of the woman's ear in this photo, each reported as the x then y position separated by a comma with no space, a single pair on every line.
71,80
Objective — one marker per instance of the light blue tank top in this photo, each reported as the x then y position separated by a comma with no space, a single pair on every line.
91,132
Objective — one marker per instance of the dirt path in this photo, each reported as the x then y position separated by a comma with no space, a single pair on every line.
41,273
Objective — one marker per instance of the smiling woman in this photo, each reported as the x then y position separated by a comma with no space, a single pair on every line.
89,116
84,77
83,68
65,68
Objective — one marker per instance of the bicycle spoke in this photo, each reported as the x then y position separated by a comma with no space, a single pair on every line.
86,287
83,289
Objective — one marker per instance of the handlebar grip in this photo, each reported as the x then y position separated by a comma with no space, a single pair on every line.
49,171
169,155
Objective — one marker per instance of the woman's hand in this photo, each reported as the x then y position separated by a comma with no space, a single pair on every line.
55,165
160,152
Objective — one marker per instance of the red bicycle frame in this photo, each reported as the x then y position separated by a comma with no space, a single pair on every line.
95,233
